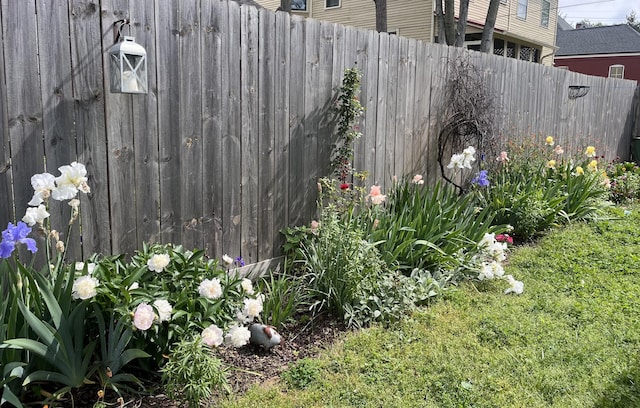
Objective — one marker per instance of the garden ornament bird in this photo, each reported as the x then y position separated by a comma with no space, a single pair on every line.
265,336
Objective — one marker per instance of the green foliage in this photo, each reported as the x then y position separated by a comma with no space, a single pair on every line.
337,262
302,374
178,283
391,297
571,340
284,295
115,352
60,340
349,111
625,182
429,228
192,373
538,188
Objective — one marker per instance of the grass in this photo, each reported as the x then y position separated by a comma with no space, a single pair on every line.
571,340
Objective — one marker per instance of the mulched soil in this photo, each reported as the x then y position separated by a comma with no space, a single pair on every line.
249,365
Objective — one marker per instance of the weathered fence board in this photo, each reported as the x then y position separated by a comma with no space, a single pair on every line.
213,19
57,119
226,148
266,136
88,83
120,138
145,132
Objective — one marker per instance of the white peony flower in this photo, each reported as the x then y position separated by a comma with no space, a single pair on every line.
164,310
210,288
84,287
417,179
143,317
242,318
247,286
42,184
212,336
516,287
238,336
35,215
158,262
72,178
252,308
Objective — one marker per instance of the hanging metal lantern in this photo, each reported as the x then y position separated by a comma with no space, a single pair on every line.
128,67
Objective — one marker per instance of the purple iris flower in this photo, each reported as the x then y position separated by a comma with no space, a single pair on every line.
239,261
481,179
16,234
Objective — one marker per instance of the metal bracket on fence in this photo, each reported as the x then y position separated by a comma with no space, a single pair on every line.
578,91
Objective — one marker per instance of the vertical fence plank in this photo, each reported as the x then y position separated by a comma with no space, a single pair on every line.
214,24
369,101
190,124
91,138
231,108
57,103
392,105
6,190
402,136
409,101
145,128
25,110
379,174
121,160
168,125
282,146
326,116
421,110
266,135
249,142
436,120
296,122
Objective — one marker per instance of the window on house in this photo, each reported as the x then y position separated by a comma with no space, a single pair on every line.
544,18
331,3
616,71
299,5
498,46
522,8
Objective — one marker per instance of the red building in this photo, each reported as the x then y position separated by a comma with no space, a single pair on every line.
606,51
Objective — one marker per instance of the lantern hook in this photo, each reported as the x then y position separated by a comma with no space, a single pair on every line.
118,25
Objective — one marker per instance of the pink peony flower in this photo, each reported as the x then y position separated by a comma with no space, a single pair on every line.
143,317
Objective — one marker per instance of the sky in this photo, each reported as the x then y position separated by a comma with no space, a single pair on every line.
607,12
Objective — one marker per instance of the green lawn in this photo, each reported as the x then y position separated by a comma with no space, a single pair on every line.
571,340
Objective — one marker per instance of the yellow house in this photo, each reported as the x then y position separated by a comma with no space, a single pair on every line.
525,29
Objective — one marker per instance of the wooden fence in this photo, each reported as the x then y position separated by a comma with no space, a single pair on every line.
225,149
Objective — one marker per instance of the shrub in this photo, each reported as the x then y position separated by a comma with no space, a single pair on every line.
625,181
533,187
337,261
184,292
192,373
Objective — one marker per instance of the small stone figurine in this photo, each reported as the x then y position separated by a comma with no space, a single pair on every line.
265,336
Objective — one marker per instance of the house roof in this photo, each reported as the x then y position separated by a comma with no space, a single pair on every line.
563,25
616,39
